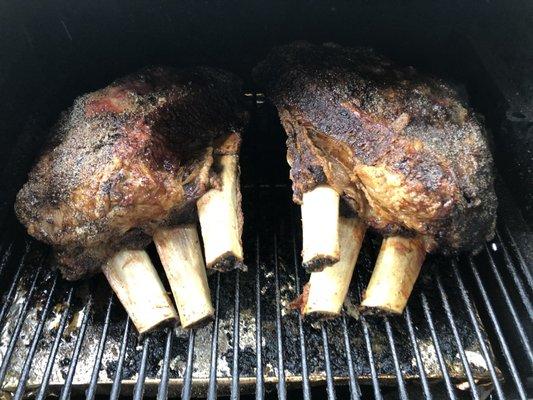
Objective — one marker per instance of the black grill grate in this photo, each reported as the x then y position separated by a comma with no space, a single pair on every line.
64,338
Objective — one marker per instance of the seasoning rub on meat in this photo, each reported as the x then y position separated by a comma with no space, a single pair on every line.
399,148
129,163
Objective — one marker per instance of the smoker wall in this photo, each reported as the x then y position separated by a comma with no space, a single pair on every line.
52,51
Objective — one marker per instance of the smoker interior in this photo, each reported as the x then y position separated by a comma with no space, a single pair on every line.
469,321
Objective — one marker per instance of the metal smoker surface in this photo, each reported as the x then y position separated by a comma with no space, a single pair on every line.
61,337
80,323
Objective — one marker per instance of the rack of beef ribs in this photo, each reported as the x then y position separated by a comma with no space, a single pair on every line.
137,161
400,150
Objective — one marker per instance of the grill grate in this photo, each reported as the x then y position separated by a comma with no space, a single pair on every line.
63,338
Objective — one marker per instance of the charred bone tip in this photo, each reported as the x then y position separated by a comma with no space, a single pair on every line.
319,262
227,262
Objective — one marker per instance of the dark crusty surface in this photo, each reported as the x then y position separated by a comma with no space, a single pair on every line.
400,147
129,158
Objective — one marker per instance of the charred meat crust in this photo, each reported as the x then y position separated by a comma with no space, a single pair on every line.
227,262
318,263
129,158
400,147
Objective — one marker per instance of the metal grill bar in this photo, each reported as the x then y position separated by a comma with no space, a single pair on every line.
524,297
91,391
355,390
259,376
162,391
517,322
436,344
521,262
329,373
6,254
399,378
65,392
115,388
306,387
139,385
282,390
212,389
18,327
416,350
36,336
50,363
373,372
187,379
473,318
460,348
235,390
14,283
501,338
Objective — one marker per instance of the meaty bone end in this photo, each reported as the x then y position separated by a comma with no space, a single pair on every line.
328,288
136,283
181,255
219,211
395,273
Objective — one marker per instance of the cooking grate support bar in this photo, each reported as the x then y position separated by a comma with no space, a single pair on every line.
501,338
18,327
402,392
306,387
15,281
512,310
436,344
355,390
460,348
212,388
91,391
282,389
235,390
187,380
418,357
520,258
35,341
41,394
524,296
65,393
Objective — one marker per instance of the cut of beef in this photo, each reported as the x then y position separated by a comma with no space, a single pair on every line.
401,148
129,159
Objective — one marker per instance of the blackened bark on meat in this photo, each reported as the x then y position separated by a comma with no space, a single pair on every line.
401,148
127,159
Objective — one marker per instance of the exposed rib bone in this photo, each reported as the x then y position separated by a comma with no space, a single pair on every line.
181,255
138,287
328,288
320,225
219,211
394,276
